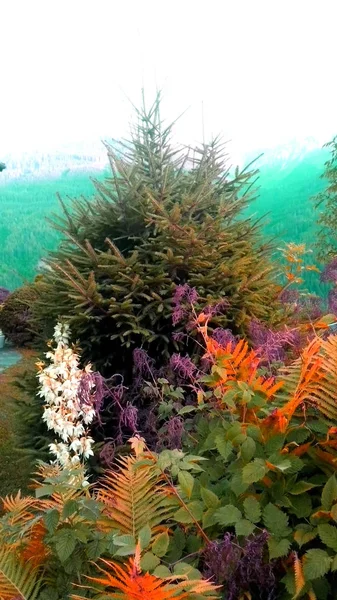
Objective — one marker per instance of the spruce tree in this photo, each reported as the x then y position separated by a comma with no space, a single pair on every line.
165,217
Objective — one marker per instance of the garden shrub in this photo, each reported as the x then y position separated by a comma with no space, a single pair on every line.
164,218
16,316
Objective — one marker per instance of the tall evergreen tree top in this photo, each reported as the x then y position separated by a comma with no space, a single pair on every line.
165,217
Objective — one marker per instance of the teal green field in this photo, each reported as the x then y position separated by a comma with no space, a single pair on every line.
284,192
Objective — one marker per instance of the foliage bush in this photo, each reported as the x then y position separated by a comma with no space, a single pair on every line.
164,218
16,316
326,202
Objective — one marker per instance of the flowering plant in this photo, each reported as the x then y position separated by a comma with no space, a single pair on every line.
67,410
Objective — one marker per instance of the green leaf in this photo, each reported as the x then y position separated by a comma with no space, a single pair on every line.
186,409
276,521
69,508
329,493
65,543
316,563
51,519
252,509
237,485
328,535
161,544
301,506
254,471
248,449
334,564
196,510
300,487
125,540
244,527
186,481
278,548
183,568
162,572
228,515
149,562
304,533
210,499
224,447
44,490
145,537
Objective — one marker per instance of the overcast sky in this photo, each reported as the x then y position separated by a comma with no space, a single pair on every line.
264,70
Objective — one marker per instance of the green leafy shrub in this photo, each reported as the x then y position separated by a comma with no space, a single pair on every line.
164,218
16,316
326,203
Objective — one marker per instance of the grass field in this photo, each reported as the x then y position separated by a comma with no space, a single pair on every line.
26,235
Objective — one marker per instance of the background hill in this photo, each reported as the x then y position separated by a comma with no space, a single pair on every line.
289,176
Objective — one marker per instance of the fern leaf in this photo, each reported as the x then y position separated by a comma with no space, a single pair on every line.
299,577
17,579
312,378
134,497
129,583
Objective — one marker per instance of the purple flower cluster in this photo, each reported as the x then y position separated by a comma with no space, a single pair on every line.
183,366
332,301
175,430
184,297
224,337
241,569
329,273
271,345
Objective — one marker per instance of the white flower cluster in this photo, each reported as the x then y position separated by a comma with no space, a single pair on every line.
64,412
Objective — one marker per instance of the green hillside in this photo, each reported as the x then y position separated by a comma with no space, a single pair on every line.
25,234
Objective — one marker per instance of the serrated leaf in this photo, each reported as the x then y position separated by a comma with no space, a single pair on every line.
210,499
237,485
334,564
244,527
254,471
183,568
149,562
65,543
276,521
70,507
51,519
316,563
300,487
144,537
161,544
223,446
196,510
161,571
228,515
278,548
304,534
186,482
328,535
248,449
329,493
252,509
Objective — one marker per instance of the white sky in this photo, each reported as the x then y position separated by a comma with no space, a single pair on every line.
265,70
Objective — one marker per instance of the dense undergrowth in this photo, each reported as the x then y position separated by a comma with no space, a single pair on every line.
187,400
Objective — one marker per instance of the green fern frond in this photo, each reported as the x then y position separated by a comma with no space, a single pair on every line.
17,579
133,497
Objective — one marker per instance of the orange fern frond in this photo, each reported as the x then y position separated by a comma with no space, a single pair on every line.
312,378
35,550
299,577
129,583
